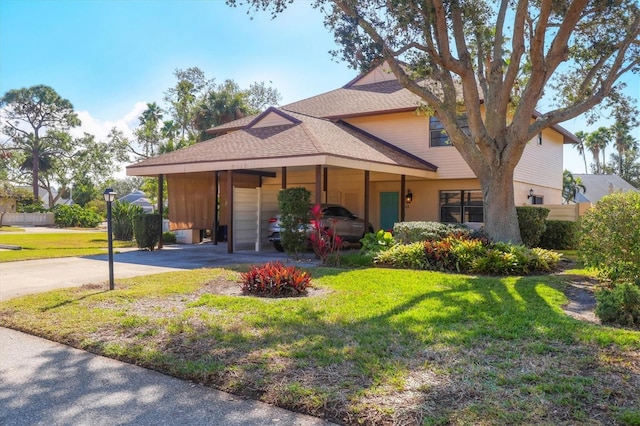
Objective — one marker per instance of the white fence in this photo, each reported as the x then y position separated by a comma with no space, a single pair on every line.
28,219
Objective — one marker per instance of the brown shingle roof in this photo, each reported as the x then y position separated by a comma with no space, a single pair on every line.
348,101
312,136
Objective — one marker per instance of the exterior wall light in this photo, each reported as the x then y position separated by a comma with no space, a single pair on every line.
409,197
530,194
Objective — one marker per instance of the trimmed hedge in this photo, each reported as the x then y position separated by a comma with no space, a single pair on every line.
560,235
413,232
532,224
147,229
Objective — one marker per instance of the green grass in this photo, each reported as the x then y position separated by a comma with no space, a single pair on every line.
372,346
52,245
9,228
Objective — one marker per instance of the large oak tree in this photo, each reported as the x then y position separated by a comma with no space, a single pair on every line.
514,67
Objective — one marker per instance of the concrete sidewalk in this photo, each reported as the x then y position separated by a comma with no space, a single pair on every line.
46,383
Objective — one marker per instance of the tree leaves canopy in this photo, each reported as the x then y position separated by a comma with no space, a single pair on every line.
498,62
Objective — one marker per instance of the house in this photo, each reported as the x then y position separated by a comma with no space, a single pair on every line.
597,186
137,198
362,145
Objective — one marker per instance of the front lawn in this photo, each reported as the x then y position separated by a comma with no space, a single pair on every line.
52,245
372,346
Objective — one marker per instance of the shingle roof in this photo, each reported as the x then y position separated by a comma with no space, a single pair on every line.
348,101
312,136
600,185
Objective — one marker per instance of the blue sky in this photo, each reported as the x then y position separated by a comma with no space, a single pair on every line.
111,57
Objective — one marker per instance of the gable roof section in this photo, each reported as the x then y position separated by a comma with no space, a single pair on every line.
348,101
600,185
305,141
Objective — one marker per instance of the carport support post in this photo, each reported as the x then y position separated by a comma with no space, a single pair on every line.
214,231
325,184
403,190
230,211
161,208
367,196
318,184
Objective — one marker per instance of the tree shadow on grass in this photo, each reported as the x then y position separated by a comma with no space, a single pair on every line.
342,362
391,346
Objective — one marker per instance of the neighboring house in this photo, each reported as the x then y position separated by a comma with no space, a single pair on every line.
597,186
138,198
44,197
362,145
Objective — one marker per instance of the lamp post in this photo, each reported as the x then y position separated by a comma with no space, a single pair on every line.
109,197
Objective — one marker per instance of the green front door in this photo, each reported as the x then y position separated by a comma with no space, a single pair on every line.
389,209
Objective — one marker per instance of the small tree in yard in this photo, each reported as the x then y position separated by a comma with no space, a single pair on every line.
324,240
293,204
484,69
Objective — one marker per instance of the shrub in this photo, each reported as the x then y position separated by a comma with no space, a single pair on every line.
411,232
293,204
66,216
377,242
560,235
439,255
352,260
532,224
147,229
610,236
122,216
465,251
497,261
619,305
324,241
543,260
275,279
406,256
168,238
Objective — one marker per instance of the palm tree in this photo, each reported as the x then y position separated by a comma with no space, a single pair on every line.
596,142
571,186
623,143
581,149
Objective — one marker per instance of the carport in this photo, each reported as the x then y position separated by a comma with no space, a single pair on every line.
245,169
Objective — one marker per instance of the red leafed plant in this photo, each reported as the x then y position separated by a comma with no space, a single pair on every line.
324,239
275,279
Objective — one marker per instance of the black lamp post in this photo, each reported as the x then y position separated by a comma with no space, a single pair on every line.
109,197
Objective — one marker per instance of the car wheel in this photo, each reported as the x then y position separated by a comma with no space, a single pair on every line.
278,246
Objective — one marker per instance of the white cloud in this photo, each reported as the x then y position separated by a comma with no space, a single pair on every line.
100,129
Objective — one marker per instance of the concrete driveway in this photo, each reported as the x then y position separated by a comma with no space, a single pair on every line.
33,276
46,383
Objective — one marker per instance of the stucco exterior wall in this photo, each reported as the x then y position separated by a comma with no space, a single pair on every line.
410,132
540,169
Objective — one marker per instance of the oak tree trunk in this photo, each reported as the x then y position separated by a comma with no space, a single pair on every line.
500,217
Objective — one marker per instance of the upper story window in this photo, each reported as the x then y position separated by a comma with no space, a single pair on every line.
438,136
